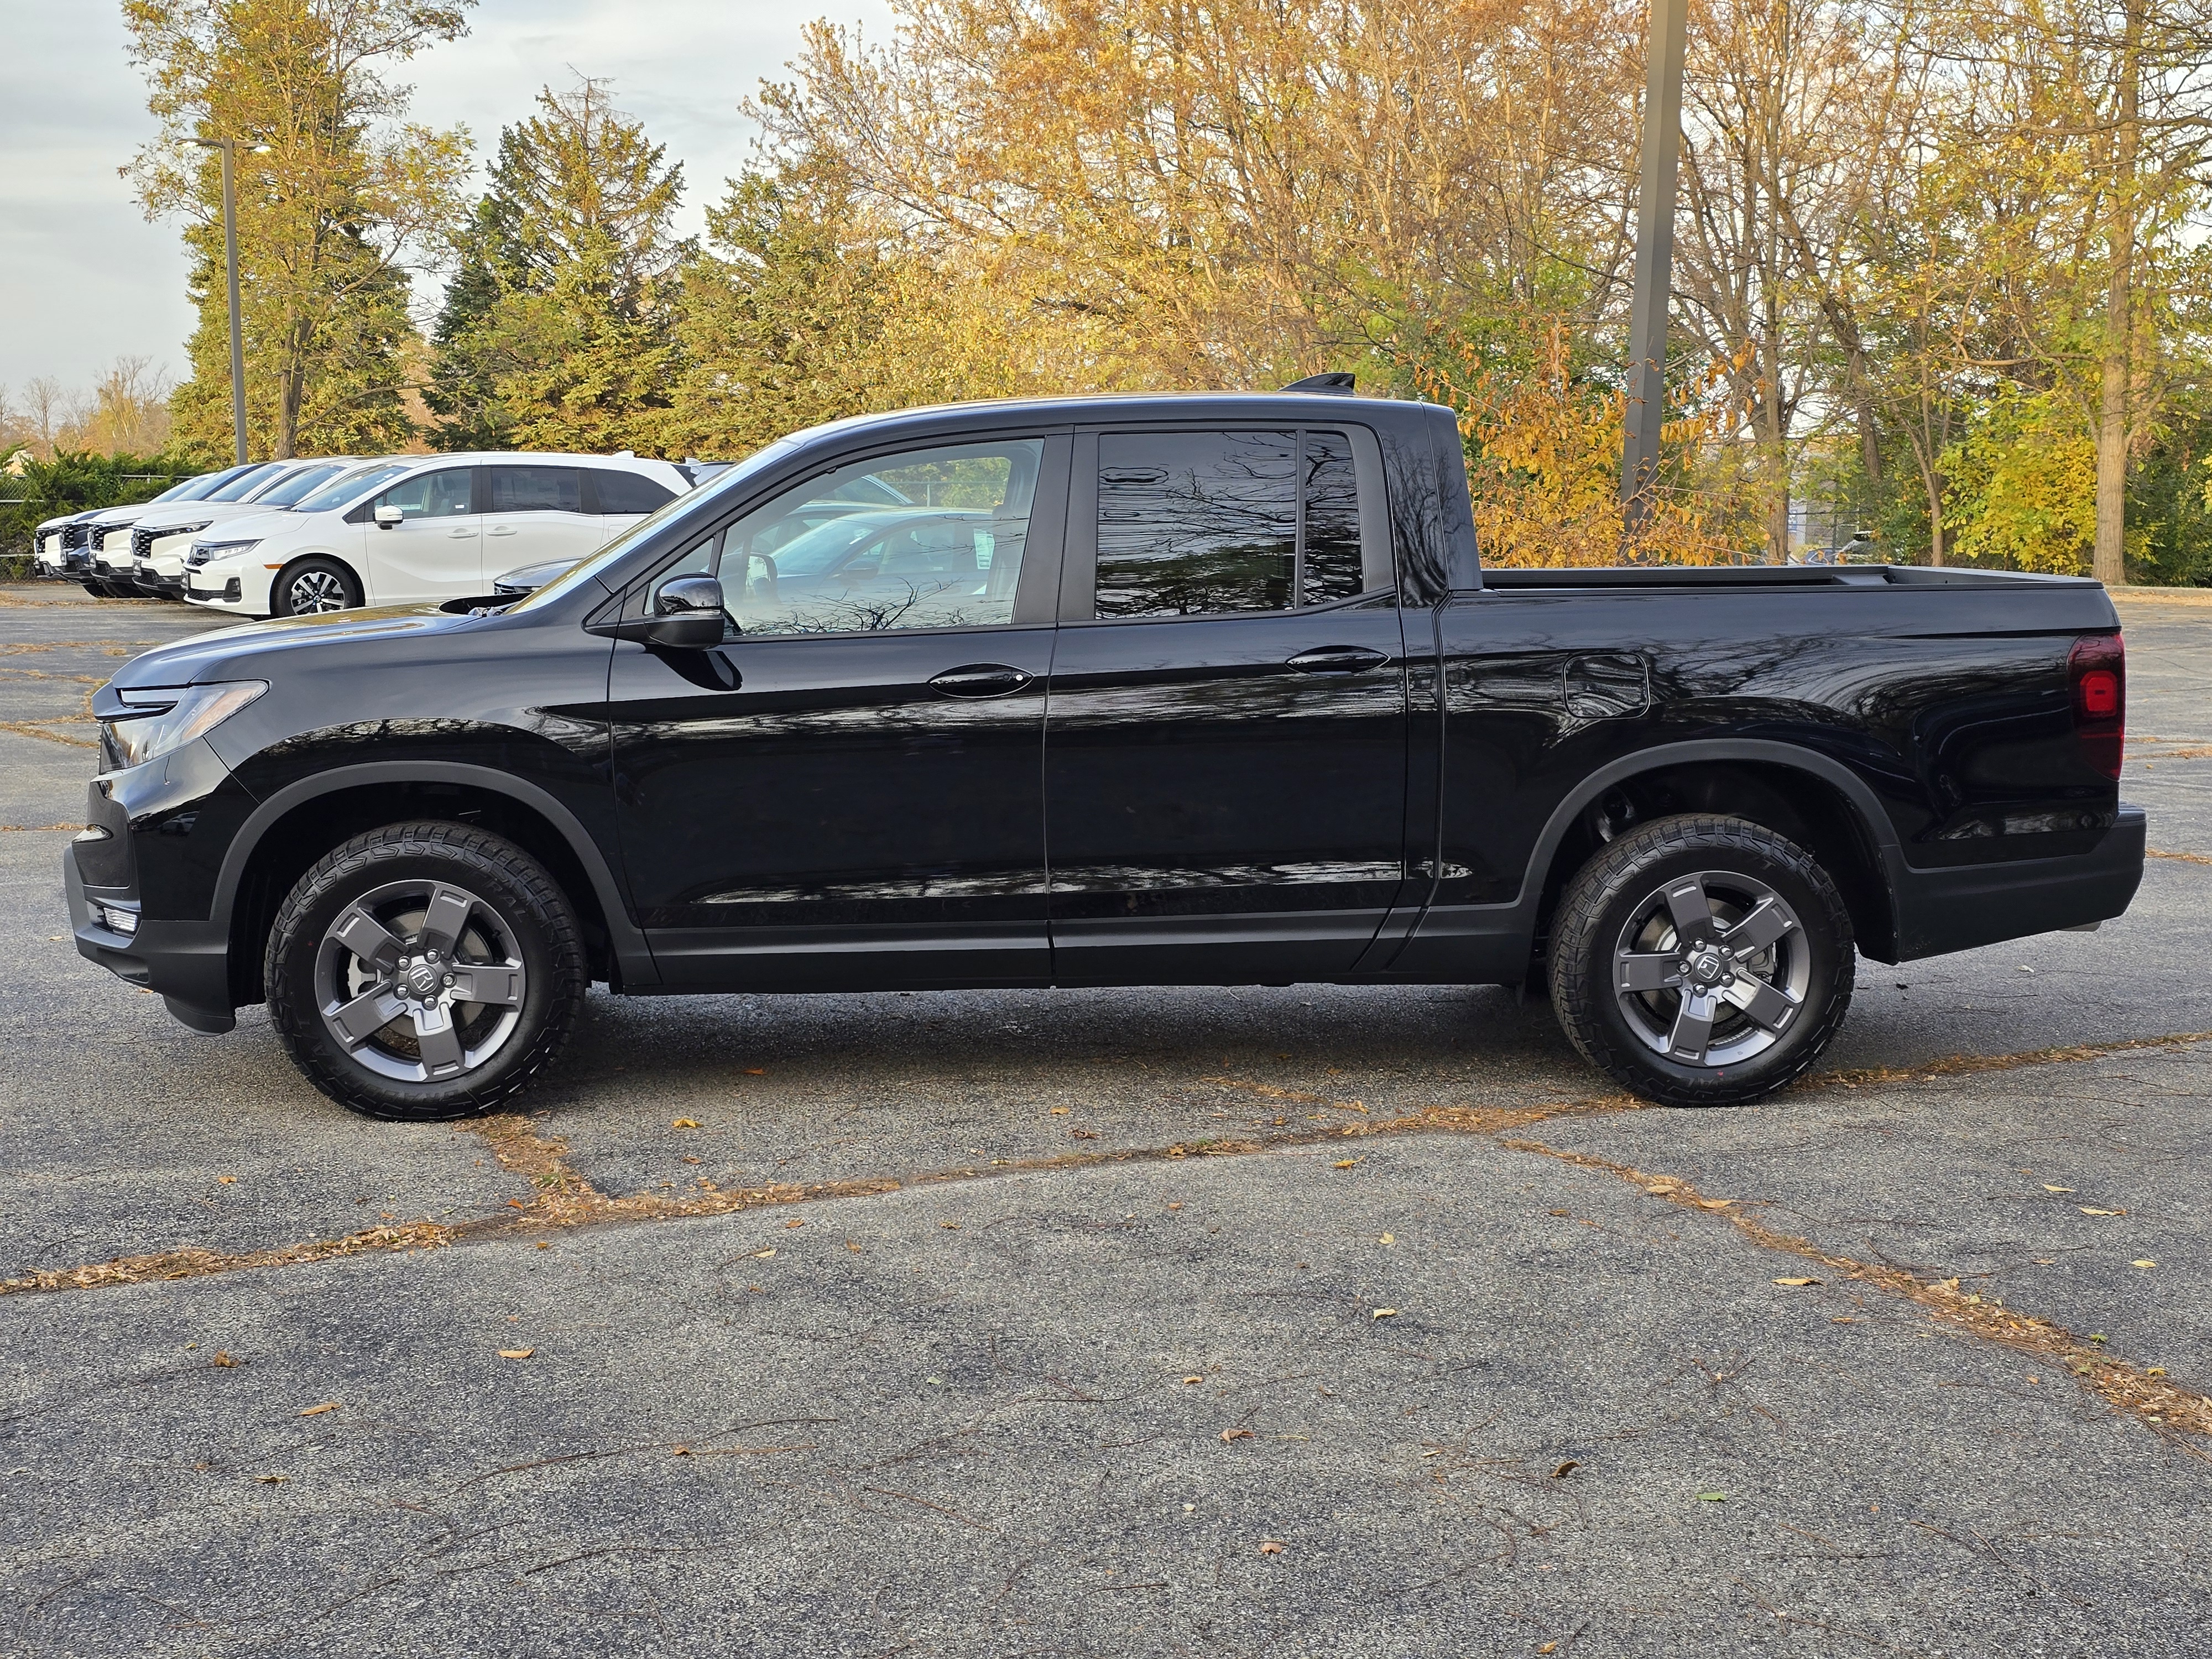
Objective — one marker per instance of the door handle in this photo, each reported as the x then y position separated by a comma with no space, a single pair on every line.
500,529
462,530
1338,660
980,679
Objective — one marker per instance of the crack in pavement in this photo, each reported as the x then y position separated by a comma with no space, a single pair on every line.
567,1200
2121,1384
2183,858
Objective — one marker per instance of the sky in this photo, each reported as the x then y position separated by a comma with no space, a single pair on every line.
84,279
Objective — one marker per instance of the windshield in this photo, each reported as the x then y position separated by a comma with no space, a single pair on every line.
197,489
700,500
242,486
300,485
174,492
349,488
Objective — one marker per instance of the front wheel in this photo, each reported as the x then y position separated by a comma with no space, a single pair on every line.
314,586
1702,961
425,972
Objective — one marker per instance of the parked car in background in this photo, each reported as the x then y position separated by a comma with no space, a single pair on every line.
114,549
103,559
426,529
53,542
162,537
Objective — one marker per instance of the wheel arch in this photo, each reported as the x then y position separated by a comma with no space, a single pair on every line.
351,567
1814,800
287,833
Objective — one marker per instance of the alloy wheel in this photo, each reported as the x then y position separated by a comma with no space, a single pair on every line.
1711,968
421,981
314,592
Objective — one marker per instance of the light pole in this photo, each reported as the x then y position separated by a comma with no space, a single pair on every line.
230,264
1655,261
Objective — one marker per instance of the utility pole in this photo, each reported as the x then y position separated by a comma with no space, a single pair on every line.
1655,261
230,264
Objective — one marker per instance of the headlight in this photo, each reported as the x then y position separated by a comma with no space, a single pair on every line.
173,715
202,551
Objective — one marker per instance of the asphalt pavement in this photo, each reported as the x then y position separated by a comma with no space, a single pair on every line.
1314,1321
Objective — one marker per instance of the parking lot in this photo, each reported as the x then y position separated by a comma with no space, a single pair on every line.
1314,1321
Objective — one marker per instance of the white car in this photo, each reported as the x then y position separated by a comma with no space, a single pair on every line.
57,546
163,534
105,562
422,530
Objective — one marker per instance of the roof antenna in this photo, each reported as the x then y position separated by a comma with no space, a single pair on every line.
1328,385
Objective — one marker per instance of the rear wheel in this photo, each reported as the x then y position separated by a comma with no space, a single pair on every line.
1702,961
425,972
312,587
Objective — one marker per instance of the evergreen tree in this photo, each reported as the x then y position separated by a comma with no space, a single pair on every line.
558,327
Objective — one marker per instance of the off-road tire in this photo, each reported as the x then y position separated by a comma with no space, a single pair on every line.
288,595
1618,884
517,897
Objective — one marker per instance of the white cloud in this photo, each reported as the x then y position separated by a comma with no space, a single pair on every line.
83,278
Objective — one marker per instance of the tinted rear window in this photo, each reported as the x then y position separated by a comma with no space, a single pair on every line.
629,492
536,489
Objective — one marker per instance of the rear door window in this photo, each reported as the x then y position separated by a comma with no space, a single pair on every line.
536,489
1214,523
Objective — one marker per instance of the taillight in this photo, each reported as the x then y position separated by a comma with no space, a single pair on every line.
2098,666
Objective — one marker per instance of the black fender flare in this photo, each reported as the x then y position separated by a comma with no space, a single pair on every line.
1514,923
627,942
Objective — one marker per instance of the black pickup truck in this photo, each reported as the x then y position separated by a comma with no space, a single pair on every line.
1204,689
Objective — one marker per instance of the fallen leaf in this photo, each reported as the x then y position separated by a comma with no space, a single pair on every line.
2145,1262
682,1451
1715,1203
1796,1281
1193,1379
950,1227
851,1246
516,1353
1712,1498
1555,1213
1387,1238
683,1123
1083,1134
1344,1164
222,1358
543,1245
756,1070
2086,1210
1174,1207
271,1480
1269,1547
1228,1435
2155,1371
1565,1470
1060,1111
763,1256
794,1222
1549,1647
228,1180
317,1410
1386,1313
2048,1188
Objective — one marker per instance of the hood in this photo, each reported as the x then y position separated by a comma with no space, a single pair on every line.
250,650
262,522
112,516
169,514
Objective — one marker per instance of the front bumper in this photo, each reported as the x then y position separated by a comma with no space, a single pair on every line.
187,962
1969,905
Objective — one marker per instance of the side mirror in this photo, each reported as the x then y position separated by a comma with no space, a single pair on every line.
386,517
687,616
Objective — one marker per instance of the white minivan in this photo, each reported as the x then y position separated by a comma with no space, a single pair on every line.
417,530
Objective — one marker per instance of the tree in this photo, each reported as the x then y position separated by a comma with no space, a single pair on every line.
558,327
338,198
